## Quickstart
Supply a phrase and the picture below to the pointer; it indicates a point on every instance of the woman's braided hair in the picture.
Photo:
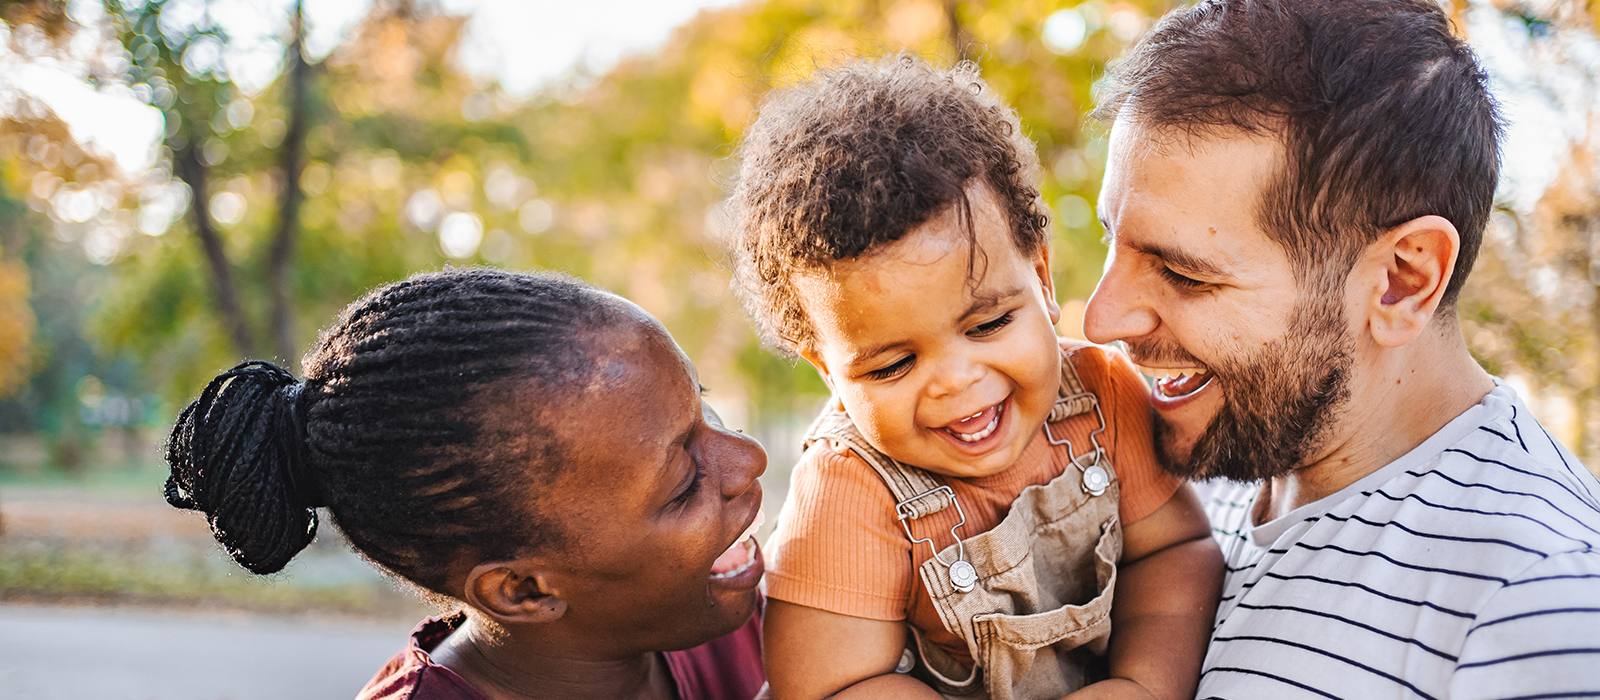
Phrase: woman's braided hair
(392, 429)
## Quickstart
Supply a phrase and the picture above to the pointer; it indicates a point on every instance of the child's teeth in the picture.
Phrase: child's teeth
(981, 434)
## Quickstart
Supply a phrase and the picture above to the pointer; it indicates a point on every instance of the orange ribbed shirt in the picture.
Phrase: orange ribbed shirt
(838, 546)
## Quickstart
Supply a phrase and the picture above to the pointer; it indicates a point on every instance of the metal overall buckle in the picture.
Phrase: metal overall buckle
(962, 574)
(1095, 477)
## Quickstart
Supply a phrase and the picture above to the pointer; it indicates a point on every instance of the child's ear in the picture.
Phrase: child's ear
(814, 358)
(1047, 282)
(514, 592)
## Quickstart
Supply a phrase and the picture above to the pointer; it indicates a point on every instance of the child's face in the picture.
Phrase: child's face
(941, 369)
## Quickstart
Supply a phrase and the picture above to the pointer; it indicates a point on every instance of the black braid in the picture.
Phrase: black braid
(414, 468)
(233, 453)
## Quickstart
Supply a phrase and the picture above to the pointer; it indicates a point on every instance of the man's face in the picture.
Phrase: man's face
(1251, 368)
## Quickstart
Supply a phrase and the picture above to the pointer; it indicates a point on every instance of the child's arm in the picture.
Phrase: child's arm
(812, 654)
(1166, 599)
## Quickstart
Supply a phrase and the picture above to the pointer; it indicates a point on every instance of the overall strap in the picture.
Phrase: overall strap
(916, 491)
(1073, 398)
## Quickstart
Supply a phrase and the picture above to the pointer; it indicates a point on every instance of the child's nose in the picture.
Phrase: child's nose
(955, 376)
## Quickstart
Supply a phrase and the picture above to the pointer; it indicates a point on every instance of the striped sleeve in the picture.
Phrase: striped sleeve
(1538, 636)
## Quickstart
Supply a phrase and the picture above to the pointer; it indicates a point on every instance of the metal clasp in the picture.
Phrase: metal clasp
(962, 574)
(1095, 477)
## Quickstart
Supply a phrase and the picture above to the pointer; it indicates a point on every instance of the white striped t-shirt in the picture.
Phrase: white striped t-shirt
(1468, 568)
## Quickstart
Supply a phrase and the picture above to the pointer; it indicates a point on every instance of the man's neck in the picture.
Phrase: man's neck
(1398, 399)
(506, 669)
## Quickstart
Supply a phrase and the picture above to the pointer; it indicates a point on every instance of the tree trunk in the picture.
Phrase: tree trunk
(291, 162)
(192, 171)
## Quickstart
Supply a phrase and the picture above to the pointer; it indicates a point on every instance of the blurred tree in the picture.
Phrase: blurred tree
(385, 158)
(16, 326)
(1532, 307)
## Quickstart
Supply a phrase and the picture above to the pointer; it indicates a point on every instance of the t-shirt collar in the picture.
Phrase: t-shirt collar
(1496, 402)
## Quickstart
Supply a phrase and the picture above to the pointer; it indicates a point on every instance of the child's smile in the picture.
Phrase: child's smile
(942, 348)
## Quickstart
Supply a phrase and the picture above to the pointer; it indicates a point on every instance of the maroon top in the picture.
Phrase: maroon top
(726, 668)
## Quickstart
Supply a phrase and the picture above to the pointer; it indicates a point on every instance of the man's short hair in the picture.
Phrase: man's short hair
(849, 161)
(1382, 110)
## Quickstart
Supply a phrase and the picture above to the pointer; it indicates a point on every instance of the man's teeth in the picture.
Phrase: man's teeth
(1178, 374)
(981, 434)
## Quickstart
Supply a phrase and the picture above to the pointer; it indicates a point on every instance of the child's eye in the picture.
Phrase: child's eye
(1181, 281)
(992, 327)
(892, 371)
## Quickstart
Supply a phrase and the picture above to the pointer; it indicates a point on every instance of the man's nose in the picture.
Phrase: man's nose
(1119, 308)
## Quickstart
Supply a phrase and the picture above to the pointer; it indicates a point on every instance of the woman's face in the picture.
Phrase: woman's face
(655, 497)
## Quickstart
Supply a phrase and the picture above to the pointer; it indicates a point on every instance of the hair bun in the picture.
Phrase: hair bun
(239, 455)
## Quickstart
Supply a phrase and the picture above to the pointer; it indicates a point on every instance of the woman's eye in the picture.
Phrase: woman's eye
(992, 327)
(1181, 281)
(694, 487)
(893, 370)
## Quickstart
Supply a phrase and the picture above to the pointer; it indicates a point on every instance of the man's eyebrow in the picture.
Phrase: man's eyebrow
(1180, 258)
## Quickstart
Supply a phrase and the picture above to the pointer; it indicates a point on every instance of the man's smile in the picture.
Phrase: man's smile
(1179, 382)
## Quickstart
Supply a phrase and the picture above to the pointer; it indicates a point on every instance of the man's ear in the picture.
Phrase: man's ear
(1410, 267)
(1041, 267)
(514, 592)
(813, 358)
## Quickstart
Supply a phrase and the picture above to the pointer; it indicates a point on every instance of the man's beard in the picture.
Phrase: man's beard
(1277, 404)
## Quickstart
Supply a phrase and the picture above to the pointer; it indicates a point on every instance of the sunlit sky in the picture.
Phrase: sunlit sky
(523, 45)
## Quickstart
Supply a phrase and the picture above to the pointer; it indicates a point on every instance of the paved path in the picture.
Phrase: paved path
(72, 653)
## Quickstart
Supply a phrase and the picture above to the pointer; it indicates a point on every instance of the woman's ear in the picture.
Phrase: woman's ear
(1411, 265)
(514, 592)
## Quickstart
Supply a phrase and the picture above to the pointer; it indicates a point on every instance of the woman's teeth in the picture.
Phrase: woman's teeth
(741, 556)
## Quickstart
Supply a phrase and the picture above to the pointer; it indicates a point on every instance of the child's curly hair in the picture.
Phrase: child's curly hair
(851, 160)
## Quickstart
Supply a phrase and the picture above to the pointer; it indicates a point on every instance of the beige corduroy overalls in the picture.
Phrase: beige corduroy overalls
(1031, 597)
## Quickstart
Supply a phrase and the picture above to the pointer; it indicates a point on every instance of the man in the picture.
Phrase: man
(1295, 194)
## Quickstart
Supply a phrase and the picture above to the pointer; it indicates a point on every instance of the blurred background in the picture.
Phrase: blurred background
(185, 184)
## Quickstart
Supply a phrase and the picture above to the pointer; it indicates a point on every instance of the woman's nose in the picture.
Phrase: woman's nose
(1118, 310)
(742, 460)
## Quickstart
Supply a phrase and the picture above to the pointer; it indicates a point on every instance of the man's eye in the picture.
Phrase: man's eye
(992, 327)
(892, 371)
(1181, 281)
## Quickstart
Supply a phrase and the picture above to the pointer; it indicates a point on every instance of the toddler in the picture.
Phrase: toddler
(978, 488)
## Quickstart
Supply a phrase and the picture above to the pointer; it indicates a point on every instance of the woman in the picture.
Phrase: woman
(528, 446)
